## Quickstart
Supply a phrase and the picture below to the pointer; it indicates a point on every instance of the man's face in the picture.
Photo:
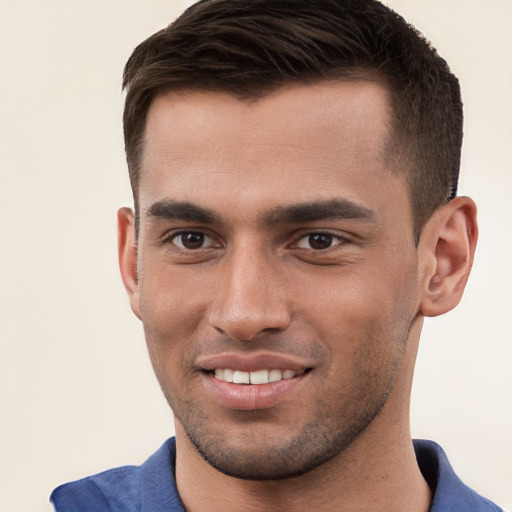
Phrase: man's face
(275, 248)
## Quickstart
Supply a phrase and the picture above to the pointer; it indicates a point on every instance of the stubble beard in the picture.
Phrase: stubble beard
(261, 456)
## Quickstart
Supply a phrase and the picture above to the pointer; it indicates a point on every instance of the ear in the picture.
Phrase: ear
(127, 252)
(446, 248)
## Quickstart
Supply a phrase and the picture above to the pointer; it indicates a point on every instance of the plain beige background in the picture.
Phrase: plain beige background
(77, 394)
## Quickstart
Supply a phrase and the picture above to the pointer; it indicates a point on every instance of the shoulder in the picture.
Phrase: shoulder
(149, 486)
(449, 492)
(110, 490)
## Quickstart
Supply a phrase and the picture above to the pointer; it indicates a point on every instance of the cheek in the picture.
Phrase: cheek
(170, 302)
(169, 336)
(171, 313)
(366, 293)
(376, 302)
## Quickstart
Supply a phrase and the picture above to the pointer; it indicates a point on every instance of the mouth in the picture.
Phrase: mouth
(260, 380)
(258, 377)
(256, 380)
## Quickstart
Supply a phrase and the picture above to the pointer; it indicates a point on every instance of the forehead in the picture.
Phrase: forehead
(302, 143)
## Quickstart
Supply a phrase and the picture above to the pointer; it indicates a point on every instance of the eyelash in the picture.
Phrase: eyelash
(172, 239)
(336, 240)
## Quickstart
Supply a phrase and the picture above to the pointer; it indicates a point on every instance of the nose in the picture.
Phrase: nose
(251, 299)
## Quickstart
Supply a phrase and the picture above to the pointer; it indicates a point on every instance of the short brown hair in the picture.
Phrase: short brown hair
(249, 48)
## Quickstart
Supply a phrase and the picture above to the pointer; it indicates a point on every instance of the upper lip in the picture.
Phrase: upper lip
(252, 362)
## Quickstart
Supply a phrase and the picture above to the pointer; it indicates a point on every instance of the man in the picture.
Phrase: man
(294, 167)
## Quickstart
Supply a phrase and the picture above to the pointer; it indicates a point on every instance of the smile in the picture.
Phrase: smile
(256, 377)
(256, 389)
(254, 380)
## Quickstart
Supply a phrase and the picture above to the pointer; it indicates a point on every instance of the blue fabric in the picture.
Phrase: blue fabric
(151, 487)
(449, 493)
(147, 488)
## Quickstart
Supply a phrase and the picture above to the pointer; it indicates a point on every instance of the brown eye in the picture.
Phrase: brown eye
(191, 240)
(319, 241)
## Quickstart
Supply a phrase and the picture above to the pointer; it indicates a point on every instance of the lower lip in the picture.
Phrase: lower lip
(251, 397)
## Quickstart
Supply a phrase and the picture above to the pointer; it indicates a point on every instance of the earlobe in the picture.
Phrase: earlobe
(447, 249)
(127, 253)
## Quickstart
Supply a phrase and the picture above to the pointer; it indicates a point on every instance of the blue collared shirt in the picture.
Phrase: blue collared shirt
(151, 487)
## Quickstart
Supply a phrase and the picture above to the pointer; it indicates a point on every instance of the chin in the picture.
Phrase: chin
(262, 456)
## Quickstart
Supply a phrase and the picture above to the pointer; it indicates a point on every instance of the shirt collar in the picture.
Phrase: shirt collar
(448, 491)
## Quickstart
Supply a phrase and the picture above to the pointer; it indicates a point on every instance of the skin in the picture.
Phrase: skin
(231, 260)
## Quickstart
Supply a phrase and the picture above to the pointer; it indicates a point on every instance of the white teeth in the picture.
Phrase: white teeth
(257, 377)
(240, 377)
(275, 375)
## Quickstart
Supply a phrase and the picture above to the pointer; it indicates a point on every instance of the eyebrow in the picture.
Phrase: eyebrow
(312, 211)
(169, 209)
(320, 210)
